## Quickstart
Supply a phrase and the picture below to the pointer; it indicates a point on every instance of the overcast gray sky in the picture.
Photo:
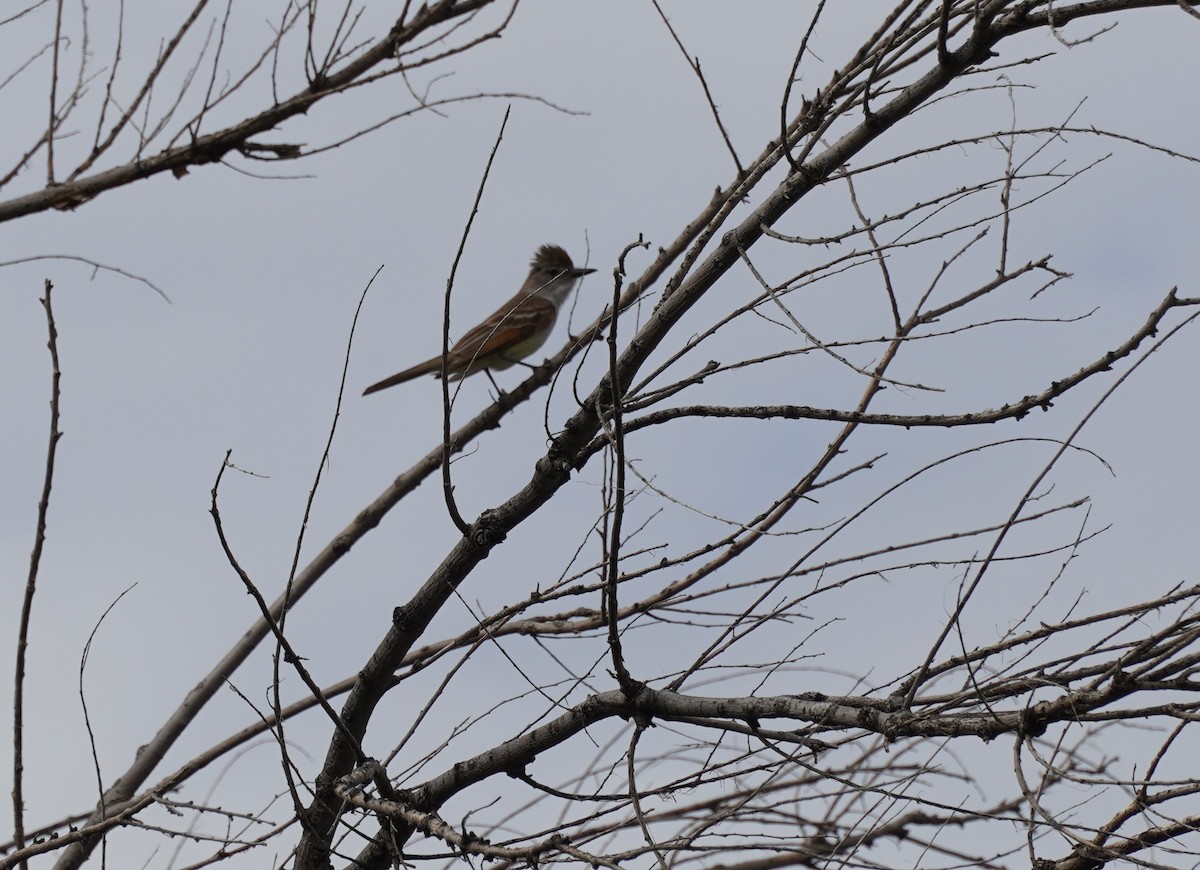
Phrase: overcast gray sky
(264, 275)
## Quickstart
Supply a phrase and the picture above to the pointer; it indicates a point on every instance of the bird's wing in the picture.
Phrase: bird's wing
(507, 327)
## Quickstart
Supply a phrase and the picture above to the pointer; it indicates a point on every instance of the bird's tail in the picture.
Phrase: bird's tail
(429, 367)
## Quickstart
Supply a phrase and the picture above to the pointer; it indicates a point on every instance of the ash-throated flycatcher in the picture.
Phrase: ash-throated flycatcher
(514, 331)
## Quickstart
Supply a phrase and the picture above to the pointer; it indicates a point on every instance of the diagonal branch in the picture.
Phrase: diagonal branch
(214, 146)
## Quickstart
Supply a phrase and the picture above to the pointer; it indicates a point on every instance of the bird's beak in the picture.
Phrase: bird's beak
(579, 273)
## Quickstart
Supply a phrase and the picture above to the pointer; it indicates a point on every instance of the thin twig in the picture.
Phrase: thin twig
(292, 657)
(447, 447)
(35, 561)
(694, 63)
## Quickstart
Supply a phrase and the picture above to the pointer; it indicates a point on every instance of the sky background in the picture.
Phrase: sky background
(264, 276)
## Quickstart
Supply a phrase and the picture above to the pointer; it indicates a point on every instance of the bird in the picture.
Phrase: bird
(513, 331)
